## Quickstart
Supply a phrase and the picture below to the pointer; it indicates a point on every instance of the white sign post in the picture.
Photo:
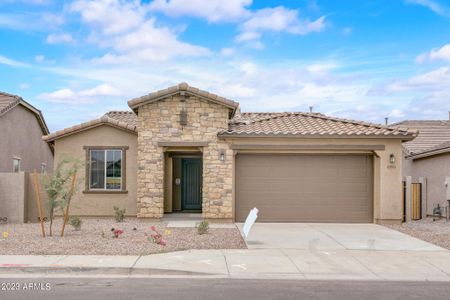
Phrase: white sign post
(251, 218)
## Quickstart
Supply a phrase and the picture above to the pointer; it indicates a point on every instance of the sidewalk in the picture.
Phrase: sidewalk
(252, 263)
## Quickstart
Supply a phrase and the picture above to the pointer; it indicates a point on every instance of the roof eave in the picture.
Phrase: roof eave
(61, 134)
(240, 135)
(428, 153)
(135, 103)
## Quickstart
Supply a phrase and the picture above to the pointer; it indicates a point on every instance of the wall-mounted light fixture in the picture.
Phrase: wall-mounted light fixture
(392, 158)
(222, 155)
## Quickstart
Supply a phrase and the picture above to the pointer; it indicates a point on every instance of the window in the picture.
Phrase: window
(16, 165)
(105, 169)
(43, 167)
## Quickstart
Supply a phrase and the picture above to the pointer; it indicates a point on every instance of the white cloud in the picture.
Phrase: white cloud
(129, 35)
(24, 86)
(248, 36)
(100, 90)
(432, 5)
(227, 51)
(397, 113)
(278, 19)
(321, 67)
(111, 16)
(211, 10)
(442, 53)
(39, 58)
(12, 63)
(63, 38)
(87, 96)
(30, 21)
(347, 31)
(33, 2)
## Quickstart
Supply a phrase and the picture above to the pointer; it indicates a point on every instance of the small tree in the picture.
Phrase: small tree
(57, 186)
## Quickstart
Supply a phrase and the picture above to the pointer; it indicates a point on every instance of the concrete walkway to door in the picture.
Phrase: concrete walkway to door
(323, 236)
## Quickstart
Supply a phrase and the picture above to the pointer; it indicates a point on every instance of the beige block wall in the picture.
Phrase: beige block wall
(13, 196)
(388, 195)
(101, 204)
(435, 169)
(159, 122)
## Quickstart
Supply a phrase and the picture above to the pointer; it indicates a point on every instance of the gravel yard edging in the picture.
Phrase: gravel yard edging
(437, 232)
(95, 238)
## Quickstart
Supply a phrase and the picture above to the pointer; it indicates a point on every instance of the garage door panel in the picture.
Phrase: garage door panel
(310, 188)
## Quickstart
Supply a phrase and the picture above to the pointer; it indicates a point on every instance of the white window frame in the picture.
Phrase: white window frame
(105, 161)
(19, 164)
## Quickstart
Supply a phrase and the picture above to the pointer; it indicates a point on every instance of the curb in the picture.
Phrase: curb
(96, 271)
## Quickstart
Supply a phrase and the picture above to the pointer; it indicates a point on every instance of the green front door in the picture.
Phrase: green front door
(191, 183)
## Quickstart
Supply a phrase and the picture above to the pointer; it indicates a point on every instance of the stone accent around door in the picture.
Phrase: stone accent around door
(158, 122)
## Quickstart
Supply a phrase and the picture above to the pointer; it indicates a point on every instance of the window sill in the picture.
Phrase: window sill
(105, 192)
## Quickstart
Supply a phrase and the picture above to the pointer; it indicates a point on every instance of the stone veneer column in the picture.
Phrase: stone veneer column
(159, 121)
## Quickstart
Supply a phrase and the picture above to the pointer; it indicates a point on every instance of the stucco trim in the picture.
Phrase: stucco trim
(182, 144)
(124, 149)
(330, 147)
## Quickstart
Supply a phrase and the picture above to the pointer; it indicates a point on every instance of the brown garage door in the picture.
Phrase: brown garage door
(305, 188)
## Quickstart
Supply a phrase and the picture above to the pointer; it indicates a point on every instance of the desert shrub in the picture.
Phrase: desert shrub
(119, 214)
(75, 222)
(203, 227)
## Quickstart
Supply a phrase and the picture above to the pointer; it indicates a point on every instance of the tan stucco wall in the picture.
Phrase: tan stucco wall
(435, 169)
(159, 122)
(388, 197)
(21, 137)
(13, 189)
(101, 204)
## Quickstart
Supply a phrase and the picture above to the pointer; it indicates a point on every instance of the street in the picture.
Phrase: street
(194, 288)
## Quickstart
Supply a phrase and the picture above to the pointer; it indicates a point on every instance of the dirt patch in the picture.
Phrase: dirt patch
(96, 238)
(437, 232)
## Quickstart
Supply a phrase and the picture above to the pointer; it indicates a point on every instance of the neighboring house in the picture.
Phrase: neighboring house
(427, 159)
(21, 145)
(184, 149)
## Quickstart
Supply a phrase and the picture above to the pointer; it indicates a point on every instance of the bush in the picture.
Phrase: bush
(119, 214)
(203, 227)
(75, 221)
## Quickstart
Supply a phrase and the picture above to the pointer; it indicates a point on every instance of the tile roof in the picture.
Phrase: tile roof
(119, 119)
(308, 124)
(431, 134)
(128, 117)
(439, 149)
(9, 101)
(177, 89)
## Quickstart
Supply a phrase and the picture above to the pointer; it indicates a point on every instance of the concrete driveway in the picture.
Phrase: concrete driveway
(321, 236)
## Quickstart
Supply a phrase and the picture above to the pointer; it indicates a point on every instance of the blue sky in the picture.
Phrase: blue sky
(357, 59)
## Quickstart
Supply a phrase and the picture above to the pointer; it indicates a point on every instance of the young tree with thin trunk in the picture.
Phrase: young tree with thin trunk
(58, 187)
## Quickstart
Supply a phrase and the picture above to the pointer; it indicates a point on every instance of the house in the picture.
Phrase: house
(21, 146)
(185, 149)
(427, 160)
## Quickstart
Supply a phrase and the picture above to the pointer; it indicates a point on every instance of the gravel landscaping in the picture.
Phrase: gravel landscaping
(96, 238)
(437, 232)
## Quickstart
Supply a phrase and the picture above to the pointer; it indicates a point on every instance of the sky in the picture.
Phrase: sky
(356, 59)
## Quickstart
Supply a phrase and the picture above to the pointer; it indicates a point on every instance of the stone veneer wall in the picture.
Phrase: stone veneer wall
(159, 121)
